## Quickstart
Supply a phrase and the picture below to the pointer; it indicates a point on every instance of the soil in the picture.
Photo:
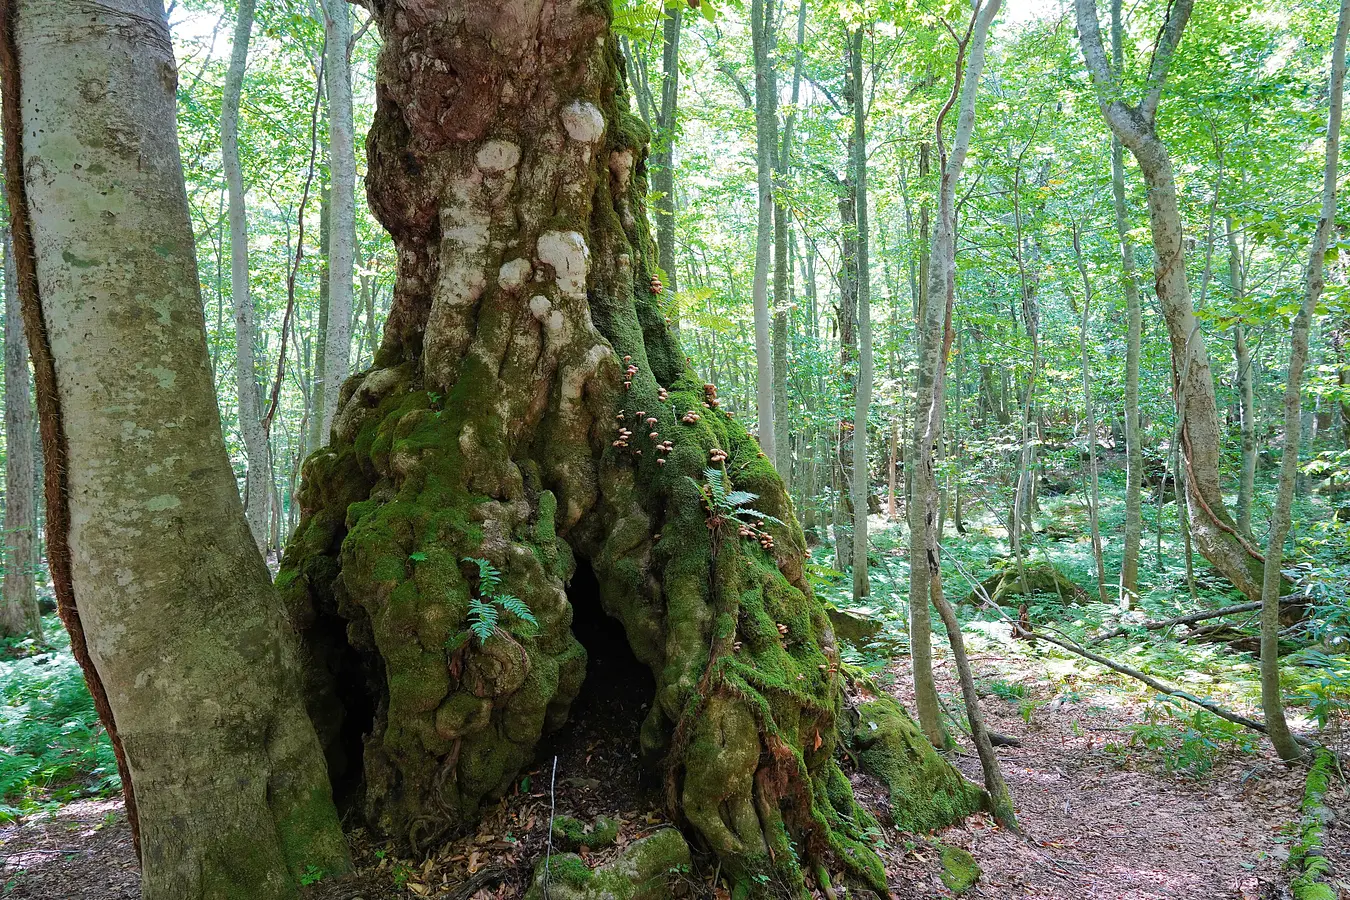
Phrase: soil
(1100, 819)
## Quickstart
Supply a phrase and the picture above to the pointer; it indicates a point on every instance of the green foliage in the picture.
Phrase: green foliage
(483, 609)
(1321, 681)
(1188, 741)
(52, 747)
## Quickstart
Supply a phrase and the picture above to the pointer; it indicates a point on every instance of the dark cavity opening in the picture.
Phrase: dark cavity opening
(357, 691)
(600, 739)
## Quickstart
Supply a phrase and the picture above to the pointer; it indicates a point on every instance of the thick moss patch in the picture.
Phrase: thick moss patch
(646, 869)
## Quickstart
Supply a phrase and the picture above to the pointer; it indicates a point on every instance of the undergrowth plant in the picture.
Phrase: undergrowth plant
(485, 609)
(53, 748)
(731, 507)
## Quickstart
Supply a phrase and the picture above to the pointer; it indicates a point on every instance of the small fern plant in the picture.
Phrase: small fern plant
(485, 610)
(732, 507)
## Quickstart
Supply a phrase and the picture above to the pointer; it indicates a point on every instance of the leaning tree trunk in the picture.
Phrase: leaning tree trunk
(158, 580)
(530, 406)
(1215, 533)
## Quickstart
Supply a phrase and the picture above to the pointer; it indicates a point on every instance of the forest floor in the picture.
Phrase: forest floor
(1116, 800)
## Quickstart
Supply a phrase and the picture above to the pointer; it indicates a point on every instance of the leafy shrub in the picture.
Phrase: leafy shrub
(52, 747)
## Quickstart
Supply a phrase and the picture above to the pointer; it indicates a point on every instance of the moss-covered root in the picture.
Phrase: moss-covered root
(926, 791)
(1307, 859)
(647, 869)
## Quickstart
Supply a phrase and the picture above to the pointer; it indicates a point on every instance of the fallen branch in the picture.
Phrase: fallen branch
(1162, 687)
(1188, 619)
(1309, 855)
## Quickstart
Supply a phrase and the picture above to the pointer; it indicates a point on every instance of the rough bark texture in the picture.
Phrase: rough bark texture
(1214, 531)
(230, 786)
(342, 226)
(19, 613)
(663, 152)
(530, 406)
(258, 484)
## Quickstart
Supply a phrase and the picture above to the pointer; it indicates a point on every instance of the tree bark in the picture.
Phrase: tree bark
(530, 406)
(1271, 704)
(1090, 421)
(231, 795)
(663, 153)
(1242, 358)
(924, 539)
(766, 142)
(258, 482)
(19, 614)
(862, 469)
(1134, 447)
(342, 203)
(1213, 529)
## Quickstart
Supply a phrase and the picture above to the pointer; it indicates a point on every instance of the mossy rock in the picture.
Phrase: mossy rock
(571, 833)
(853, 627)
(646, 869)
(959, 869)
(926, 791)
(1032, 578)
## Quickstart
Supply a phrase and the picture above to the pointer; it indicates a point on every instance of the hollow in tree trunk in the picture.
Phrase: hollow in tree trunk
(529, 406)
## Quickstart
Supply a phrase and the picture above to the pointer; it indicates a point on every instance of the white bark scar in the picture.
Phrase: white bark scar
(584, 123)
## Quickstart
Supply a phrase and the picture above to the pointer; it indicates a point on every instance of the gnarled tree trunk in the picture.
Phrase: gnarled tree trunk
(529, 406)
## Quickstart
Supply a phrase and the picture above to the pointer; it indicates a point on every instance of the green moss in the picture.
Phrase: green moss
(644, 870)
(926, 792)
(1307, 857)
(570, 833)
(959, 869)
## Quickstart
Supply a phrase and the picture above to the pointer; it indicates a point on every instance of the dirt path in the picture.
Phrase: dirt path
(1099, 822)
(1102, 824)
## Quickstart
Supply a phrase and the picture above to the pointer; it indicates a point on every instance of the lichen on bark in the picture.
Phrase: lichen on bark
(530, 406)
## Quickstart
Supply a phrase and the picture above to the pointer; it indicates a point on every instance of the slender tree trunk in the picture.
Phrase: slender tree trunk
(1271, 704)
(1134, 448)
(19, 613)
(1245, 382)
(766, 142)
(1214, 531)
(258, 483)
(1090, 421)
(149, 545)
(924, 563)
(317, 437)
(342, 227)
(663, 156)
(862, 469)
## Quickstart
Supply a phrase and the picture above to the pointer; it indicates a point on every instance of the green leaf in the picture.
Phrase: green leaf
(482, 619)
(419, 556)
(518, 608)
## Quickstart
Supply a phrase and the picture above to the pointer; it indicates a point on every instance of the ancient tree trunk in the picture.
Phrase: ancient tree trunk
(862, 469)
(231, 791)
(1242, 358)
(1214, 531)
(1134, 447)
(925, 575)
(1271, 705)
(529, 406)
(19, 613)
(766, 142)
(342, 225)
(258, 483)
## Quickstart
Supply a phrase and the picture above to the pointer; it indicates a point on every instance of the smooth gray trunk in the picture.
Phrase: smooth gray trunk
(342, 226)
(766, 139)
(19, 613)
(151, 551)
(258, 482)
(862, 470)
(1271, 704)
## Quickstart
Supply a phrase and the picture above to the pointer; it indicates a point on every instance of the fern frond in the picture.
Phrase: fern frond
(740, 498)
(753, 515)
(717, 483)
(518, 608)
(482, 619)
